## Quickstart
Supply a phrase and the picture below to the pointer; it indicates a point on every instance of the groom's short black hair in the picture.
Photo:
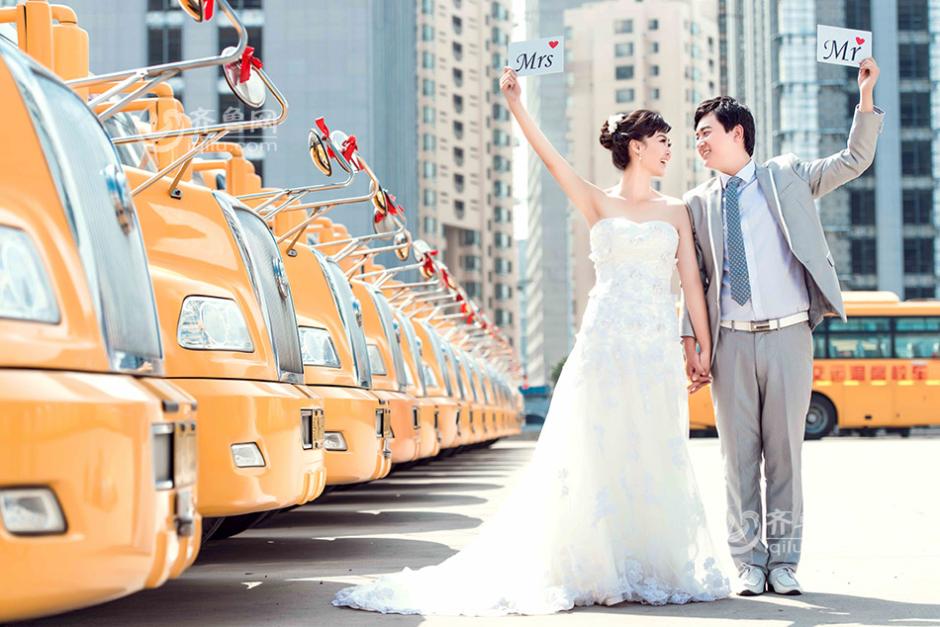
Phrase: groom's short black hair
(730, 113)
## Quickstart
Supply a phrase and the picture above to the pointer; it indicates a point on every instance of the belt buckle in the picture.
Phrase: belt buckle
(762, 325)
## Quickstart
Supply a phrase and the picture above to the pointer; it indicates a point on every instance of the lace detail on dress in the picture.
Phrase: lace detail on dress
(609, 510)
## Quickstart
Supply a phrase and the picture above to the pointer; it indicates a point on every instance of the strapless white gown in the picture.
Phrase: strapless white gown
(608, 510)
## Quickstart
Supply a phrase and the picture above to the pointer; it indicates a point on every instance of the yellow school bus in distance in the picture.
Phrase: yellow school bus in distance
(879, 369)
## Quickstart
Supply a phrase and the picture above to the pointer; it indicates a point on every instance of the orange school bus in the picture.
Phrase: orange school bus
(389, 381)
(336, 360)
(471, 423)
(337, 369)
(224, 297)
(484, 432)
(425, 409)
(466, 429)
(438, 385)
(880, 369)
(97, 455)
(449, 427)
(252, 417)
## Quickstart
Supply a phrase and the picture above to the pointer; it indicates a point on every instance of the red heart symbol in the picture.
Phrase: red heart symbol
(859, 41)
(553, 43)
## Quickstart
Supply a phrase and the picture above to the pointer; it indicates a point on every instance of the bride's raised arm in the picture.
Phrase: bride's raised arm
(585, 196)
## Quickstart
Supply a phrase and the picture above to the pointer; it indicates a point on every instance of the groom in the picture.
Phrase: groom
(770, 279)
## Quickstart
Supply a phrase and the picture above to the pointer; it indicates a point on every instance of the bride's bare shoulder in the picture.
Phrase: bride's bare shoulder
(672, 202)
(676, 210)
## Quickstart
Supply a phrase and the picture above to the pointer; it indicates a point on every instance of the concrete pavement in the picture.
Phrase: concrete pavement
(871, 553)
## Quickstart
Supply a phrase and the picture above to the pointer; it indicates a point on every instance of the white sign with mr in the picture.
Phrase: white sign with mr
(842, 46)
(537, 56)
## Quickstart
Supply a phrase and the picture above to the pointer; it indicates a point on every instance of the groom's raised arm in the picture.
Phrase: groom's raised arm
(829, 173)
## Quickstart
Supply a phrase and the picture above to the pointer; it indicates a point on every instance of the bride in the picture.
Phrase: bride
(608, 510)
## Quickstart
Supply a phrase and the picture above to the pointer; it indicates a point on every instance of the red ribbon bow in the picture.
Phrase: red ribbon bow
(395, 210)
(429, 262)
(208, 9)
(349, 149)
(321, 124)
(249, 60)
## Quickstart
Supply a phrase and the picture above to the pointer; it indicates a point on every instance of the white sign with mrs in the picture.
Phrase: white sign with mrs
(537, 56)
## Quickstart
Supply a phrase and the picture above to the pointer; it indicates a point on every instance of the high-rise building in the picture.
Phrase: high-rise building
(548, 272)
(465, 149)
(625, 55)
(883, 227)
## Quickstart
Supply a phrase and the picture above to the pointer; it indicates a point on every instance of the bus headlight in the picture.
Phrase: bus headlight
(208, 323)
(317, 347)
(31, 511)
(25, 290)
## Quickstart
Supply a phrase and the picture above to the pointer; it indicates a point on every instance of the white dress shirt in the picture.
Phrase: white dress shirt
(778, 282)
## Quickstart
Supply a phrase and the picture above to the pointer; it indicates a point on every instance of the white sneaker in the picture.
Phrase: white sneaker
(752, 582)
(783, 581)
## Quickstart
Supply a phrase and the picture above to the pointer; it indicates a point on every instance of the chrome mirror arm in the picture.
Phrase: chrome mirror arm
(229, 127)
(438, 299)
(180, 163)
(350, 249)
(375, 187)
(389, 272)
(318, 210)
(208, 135)
(291, 194)
(121, 86)
(163, 71)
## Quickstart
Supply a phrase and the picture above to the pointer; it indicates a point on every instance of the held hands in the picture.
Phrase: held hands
(868, 73)
(697, 364)
(509, 85)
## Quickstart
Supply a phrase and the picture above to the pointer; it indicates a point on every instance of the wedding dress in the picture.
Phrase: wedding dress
(608, 510)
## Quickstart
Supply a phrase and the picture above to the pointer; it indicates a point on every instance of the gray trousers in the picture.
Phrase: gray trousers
(761, 390)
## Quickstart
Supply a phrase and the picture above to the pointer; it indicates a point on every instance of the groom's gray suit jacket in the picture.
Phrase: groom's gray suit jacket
(789, 184)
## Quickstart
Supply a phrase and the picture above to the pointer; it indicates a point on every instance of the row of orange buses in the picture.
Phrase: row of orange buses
(880, 369)
(185, 351)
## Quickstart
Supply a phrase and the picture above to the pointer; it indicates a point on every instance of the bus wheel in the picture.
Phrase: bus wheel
(209, 525)
(820, 419)
(234, 525)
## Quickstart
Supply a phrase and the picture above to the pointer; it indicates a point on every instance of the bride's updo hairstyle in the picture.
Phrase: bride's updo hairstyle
(619, 129)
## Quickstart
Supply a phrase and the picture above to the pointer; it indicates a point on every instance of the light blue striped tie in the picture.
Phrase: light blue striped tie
(737, 260)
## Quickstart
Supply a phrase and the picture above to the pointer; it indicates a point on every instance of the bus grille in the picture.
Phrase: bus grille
(275, 291)
(107, 227)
